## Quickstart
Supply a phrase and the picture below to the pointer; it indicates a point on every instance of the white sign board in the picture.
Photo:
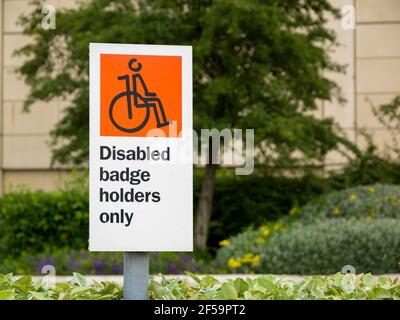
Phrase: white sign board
(140, 166)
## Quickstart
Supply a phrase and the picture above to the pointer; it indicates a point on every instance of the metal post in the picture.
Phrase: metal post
(136, 275)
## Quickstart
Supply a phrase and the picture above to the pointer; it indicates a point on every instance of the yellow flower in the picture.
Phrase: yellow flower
(336, 211)
(353, 197)
(256, 261)
(371, 189)
(225, 243)
(260, 240)
(234, 263)
(251, 259)
(278, 226)
(247, 258)
(293, 211)
(265, 231)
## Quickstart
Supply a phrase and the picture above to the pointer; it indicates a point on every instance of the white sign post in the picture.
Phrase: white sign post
(141, 197)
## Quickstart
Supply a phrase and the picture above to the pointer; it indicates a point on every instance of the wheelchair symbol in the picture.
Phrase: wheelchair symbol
(142, 98)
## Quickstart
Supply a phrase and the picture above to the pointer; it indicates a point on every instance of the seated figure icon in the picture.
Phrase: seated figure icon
(142, 98)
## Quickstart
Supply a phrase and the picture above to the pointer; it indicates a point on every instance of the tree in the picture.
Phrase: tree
(257, 64)
(389, 116)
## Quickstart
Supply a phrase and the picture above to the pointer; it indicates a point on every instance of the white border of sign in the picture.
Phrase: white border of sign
(169, 224)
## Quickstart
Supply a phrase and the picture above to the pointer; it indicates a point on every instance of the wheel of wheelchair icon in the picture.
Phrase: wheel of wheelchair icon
(118, 115)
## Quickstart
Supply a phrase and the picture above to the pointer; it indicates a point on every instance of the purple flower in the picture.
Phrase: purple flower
(99, 267)
(117, 269)
(171, 268)
(74, 264)
(83, 255)
(186, 260)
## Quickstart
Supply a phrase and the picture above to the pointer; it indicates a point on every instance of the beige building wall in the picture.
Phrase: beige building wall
(371, 53)
(378, 64)
(25, 157)
(345, 55)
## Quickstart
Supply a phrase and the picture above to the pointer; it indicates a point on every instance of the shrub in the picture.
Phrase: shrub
(35, 221)
(242, 253)
(244, 201)
(324, 248)
(79, 288)
(374, 201)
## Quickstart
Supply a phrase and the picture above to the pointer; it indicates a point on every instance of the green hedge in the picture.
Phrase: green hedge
(320, 248)
(325, 247)
(36, 221)
(373, 201)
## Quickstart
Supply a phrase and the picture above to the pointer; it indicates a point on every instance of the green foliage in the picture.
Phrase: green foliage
(374, 201)
(337, 287)
(79, 288)
(389, 115)
(36, 220)
(257, 64)
(367, 168)
(325, 247)
(322, 248)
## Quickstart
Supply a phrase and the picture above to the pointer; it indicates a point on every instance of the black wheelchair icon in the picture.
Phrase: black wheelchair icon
(148, 100)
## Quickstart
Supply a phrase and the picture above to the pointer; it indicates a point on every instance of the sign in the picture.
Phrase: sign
(140, 161)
